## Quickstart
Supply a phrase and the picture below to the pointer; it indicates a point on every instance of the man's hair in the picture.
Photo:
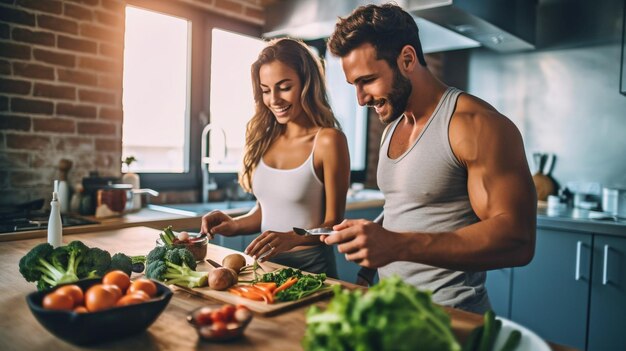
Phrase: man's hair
(387, 27)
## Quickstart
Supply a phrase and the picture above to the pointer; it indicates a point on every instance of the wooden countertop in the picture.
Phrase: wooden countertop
(19, 330)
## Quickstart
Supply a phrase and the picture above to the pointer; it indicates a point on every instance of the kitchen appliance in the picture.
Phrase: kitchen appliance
(30, 216)
(614, 201)
(116, 199)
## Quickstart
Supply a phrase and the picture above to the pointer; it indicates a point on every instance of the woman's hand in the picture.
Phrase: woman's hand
(217, 222)
(272, 243)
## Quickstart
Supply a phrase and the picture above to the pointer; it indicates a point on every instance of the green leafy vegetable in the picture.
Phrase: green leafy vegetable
(392, 315)
(306, 285)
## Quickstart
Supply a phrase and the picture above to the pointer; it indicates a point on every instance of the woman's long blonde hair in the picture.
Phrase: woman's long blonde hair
(263, 129)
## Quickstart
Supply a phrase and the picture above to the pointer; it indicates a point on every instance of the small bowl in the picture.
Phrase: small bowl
(208, 332)
(198, 248)
(94, 327)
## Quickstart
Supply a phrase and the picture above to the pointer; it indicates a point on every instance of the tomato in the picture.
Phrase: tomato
(114, 289)
(74, 291)
(80, 309)
(219, 329)
(228, 312)
(242, 314)
(141, 294)
(204, 317)
(218, 316)
(130, 299)
(118, 278)
(98, 298)
(145, 285)
(54, 301)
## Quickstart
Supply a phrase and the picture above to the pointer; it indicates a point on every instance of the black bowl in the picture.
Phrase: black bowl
(105, 325)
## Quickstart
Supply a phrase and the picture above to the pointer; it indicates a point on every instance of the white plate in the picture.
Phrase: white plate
(529, 342)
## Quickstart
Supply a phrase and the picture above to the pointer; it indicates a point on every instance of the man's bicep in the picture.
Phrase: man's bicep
(499, 181)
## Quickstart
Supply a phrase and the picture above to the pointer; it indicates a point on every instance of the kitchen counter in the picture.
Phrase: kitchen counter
(160, 219)
(20, 331)
(579, 220)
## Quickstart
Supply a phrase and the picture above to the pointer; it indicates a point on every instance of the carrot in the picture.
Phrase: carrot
(286, 285)
(234, 291)
(253, 293)
(267, 287)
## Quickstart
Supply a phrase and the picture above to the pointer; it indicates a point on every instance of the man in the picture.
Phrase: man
(459, 197)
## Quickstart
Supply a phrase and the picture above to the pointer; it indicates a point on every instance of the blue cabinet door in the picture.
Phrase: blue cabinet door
(550, 295)
(499, 282)
(607, 313)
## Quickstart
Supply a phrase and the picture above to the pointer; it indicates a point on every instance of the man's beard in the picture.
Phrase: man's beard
(398, 98)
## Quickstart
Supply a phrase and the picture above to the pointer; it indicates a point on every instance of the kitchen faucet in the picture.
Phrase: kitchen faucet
(205, 160)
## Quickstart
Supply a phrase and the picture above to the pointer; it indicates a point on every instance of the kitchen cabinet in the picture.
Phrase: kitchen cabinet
(499, 283)
(550, 294)
(608, 294)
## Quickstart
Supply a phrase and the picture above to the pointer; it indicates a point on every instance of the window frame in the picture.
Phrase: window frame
(202, 24)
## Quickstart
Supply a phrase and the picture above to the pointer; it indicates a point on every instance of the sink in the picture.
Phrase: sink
(198, 209)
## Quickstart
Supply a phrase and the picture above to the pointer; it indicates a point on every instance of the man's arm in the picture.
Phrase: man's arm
(501, 193)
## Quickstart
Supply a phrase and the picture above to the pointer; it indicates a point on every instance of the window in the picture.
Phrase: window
(157, 57)
(232, 101)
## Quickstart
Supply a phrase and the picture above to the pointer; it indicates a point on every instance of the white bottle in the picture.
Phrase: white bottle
(55, 226)
(64, 196)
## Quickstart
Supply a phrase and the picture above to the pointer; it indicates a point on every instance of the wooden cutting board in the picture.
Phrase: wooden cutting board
(258, 307)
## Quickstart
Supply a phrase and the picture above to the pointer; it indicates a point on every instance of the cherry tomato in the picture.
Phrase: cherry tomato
(204, 317)
(145, 285)
(98, 298)
(54, 301)
(219, 329)
(130, 299)
(118, 278)
(228, 312)
(218, 316)
(74, 291)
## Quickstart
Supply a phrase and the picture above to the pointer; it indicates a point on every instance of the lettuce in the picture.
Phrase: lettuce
(392, 315)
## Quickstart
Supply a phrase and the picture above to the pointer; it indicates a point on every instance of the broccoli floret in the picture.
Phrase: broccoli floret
(37, 266)
(156, 254)
(121, 262)
(174, 266)
(95, 263)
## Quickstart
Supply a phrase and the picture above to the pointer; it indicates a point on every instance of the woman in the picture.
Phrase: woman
(296, 162)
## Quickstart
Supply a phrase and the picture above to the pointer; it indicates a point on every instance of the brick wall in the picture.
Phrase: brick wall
(61, 88)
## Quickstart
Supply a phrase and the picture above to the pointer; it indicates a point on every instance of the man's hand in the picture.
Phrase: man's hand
(364, 242)
(217, 222)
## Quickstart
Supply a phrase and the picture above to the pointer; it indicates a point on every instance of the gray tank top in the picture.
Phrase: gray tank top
(426, 190)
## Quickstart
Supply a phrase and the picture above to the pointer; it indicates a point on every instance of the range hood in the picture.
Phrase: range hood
(500, 25)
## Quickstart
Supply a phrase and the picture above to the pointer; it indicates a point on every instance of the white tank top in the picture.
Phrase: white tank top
(289, 197)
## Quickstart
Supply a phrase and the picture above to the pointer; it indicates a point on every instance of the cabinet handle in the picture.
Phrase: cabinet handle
(605, 266)
(579, 246)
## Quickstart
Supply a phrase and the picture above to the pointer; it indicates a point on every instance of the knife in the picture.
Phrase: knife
(213, 263)
(314, 231)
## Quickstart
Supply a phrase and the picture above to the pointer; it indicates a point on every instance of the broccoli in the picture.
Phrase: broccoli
(95, 263)
(121, 262)
(49, 267)
(174, 266)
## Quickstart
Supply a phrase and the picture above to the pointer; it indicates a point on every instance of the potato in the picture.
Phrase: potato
(234, 261)
(222, 278)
